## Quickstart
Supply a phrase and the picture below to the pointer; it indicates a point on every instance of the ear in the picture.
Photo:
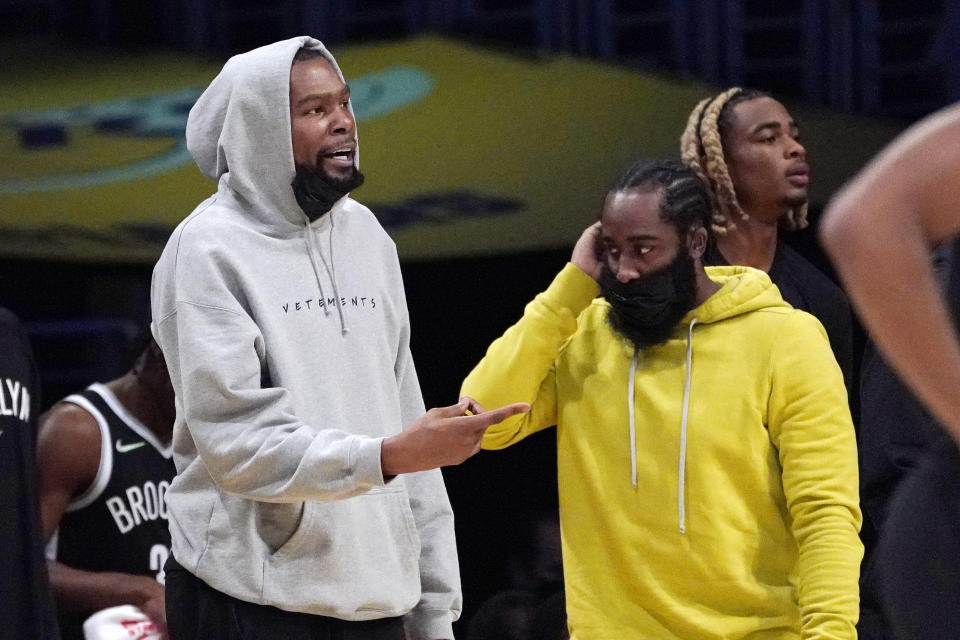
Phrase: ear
(698, 242)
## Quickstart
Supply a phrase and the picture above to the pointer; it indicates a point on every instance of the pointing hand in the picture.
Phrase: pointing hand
(442, 436)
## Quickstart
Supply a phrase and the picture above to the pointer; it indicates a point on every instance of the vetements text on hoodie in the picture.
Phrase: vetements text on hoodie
(360, 302)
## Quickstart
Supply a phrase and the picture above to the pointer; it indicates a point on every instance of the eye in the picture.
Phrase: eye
(644, 250)
(315, 111)
(345, 104)
(768, 139)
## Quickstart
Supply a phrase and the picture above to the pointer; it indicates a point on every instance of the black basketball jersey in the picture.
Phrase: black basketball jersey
(26, 609)
(120, 522)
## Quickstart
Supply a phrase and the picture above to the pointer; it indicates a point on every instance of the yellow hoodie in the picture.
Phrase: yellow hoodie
(708, 486)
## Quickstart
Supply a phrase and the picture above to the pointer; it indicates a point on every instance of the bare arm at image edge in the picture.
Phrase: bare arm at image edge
(880, 230)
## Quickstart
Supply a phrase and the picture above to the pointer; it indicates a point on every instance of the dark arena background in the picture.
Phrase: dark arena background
(489, 131)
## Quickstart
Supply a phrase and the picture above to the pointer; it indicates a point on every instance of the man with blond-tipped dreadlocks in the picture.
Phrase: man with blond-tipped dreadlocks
(746, 148)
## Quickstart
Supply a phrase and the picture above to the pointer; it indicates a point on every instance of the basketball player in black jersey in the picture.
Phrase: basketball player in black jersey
(105, 462)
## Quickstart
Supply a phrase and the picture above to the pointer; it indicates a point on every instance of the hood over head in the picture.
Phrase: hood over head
(240, 127)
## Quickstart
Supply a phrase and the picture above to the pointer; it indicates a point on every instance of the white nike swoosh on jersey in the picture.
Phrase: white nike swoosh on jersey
(123, 448)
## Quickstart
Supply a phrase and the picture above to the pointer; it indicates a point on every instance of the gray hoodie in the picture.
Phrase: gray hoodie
(288, 346)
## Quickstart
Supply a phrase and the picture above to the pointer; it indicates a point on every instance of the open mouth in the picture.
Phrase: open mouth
(343, 155)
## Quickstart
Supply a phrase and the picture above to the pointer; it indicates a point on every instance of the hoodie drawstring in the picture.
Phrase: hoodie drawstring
(630, 410)
(312, 251)
(681, 498)
(631, 383)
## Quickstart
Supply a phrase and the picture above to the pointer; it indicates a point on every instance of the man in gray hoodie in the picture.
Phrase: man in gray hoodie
(302, 506)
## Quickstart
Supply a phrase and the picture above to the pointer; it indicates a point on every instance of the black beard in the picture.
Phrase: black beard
(646, 310)
(316, 190)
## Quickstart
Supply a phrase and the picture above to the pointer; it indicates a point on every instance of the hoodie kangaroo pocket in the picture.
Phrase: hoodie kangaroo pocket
(271, 521)
(355, 558)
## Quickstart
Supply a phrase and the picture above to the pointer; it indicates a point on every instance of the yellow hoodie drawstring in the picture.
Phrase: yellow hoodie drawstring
(631, 383)
(633, 432)
(681, 483)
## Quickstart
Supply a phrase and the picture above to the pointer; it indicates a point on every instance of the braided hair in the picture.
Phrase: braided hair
(701, 149)
(684, 203)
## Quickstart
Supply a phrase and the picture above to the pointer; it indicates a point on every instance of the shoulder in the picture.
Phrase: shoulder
(203, 254)
(361, 218)
(11, 329)
(798, 269)
(195, 235)
(806, 287)
(71, 424)
(212, 224)
(69, 442)
(801, 321)
(8, 320)
(16, 356)
(773, 330)
(592, 322)
(359, 233)
(799, 335)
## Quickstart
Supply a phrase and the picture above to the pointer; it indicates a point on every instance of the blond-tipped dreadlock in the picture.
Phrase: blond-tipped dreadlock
(701, 149)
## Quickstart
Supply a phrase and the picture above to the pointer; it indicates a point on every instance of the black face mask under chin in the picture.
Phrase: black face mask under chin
(646, 310)
(316, 192)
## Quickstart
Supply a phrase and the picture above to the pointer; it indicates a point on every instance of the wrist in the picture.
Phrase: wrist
(142, 589)
(573, 287)
(390, 450)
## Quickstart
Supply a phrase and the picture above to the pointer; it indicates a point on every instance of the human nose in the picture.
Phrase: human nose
(795, 149)
(626, 271)
(344, 122)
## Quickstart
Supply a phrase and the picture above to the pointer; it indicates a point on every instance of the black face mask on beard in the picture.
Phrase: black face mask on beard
(646, 310)
(316, 191)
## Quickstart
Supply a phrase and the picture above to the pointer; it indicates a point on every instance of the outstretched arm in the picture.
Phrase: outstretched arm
(880, 230)
(68, 457)
(442, 436)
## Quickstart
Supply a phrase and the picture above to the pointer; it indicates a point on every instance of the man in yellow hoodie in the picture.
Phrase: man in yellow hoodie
(706, 456)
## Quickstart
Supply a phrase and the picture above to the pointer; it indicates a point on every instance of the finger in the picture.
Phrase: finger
(499, 415)
(473, 407)
(453, 410)
(592, 229)
(483, 420)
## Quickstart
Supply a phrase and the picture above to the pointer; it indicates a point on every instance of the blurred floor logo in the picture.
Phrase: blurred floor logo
(160, 116)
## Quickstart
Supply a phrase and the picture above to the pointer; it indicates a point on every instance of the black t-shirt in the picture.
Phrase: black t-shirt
(803, 286)
(26, 608)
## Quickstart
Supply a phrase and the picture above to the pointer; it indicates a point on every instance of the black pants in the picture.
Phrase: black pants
(918, 554)
(196, 611)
